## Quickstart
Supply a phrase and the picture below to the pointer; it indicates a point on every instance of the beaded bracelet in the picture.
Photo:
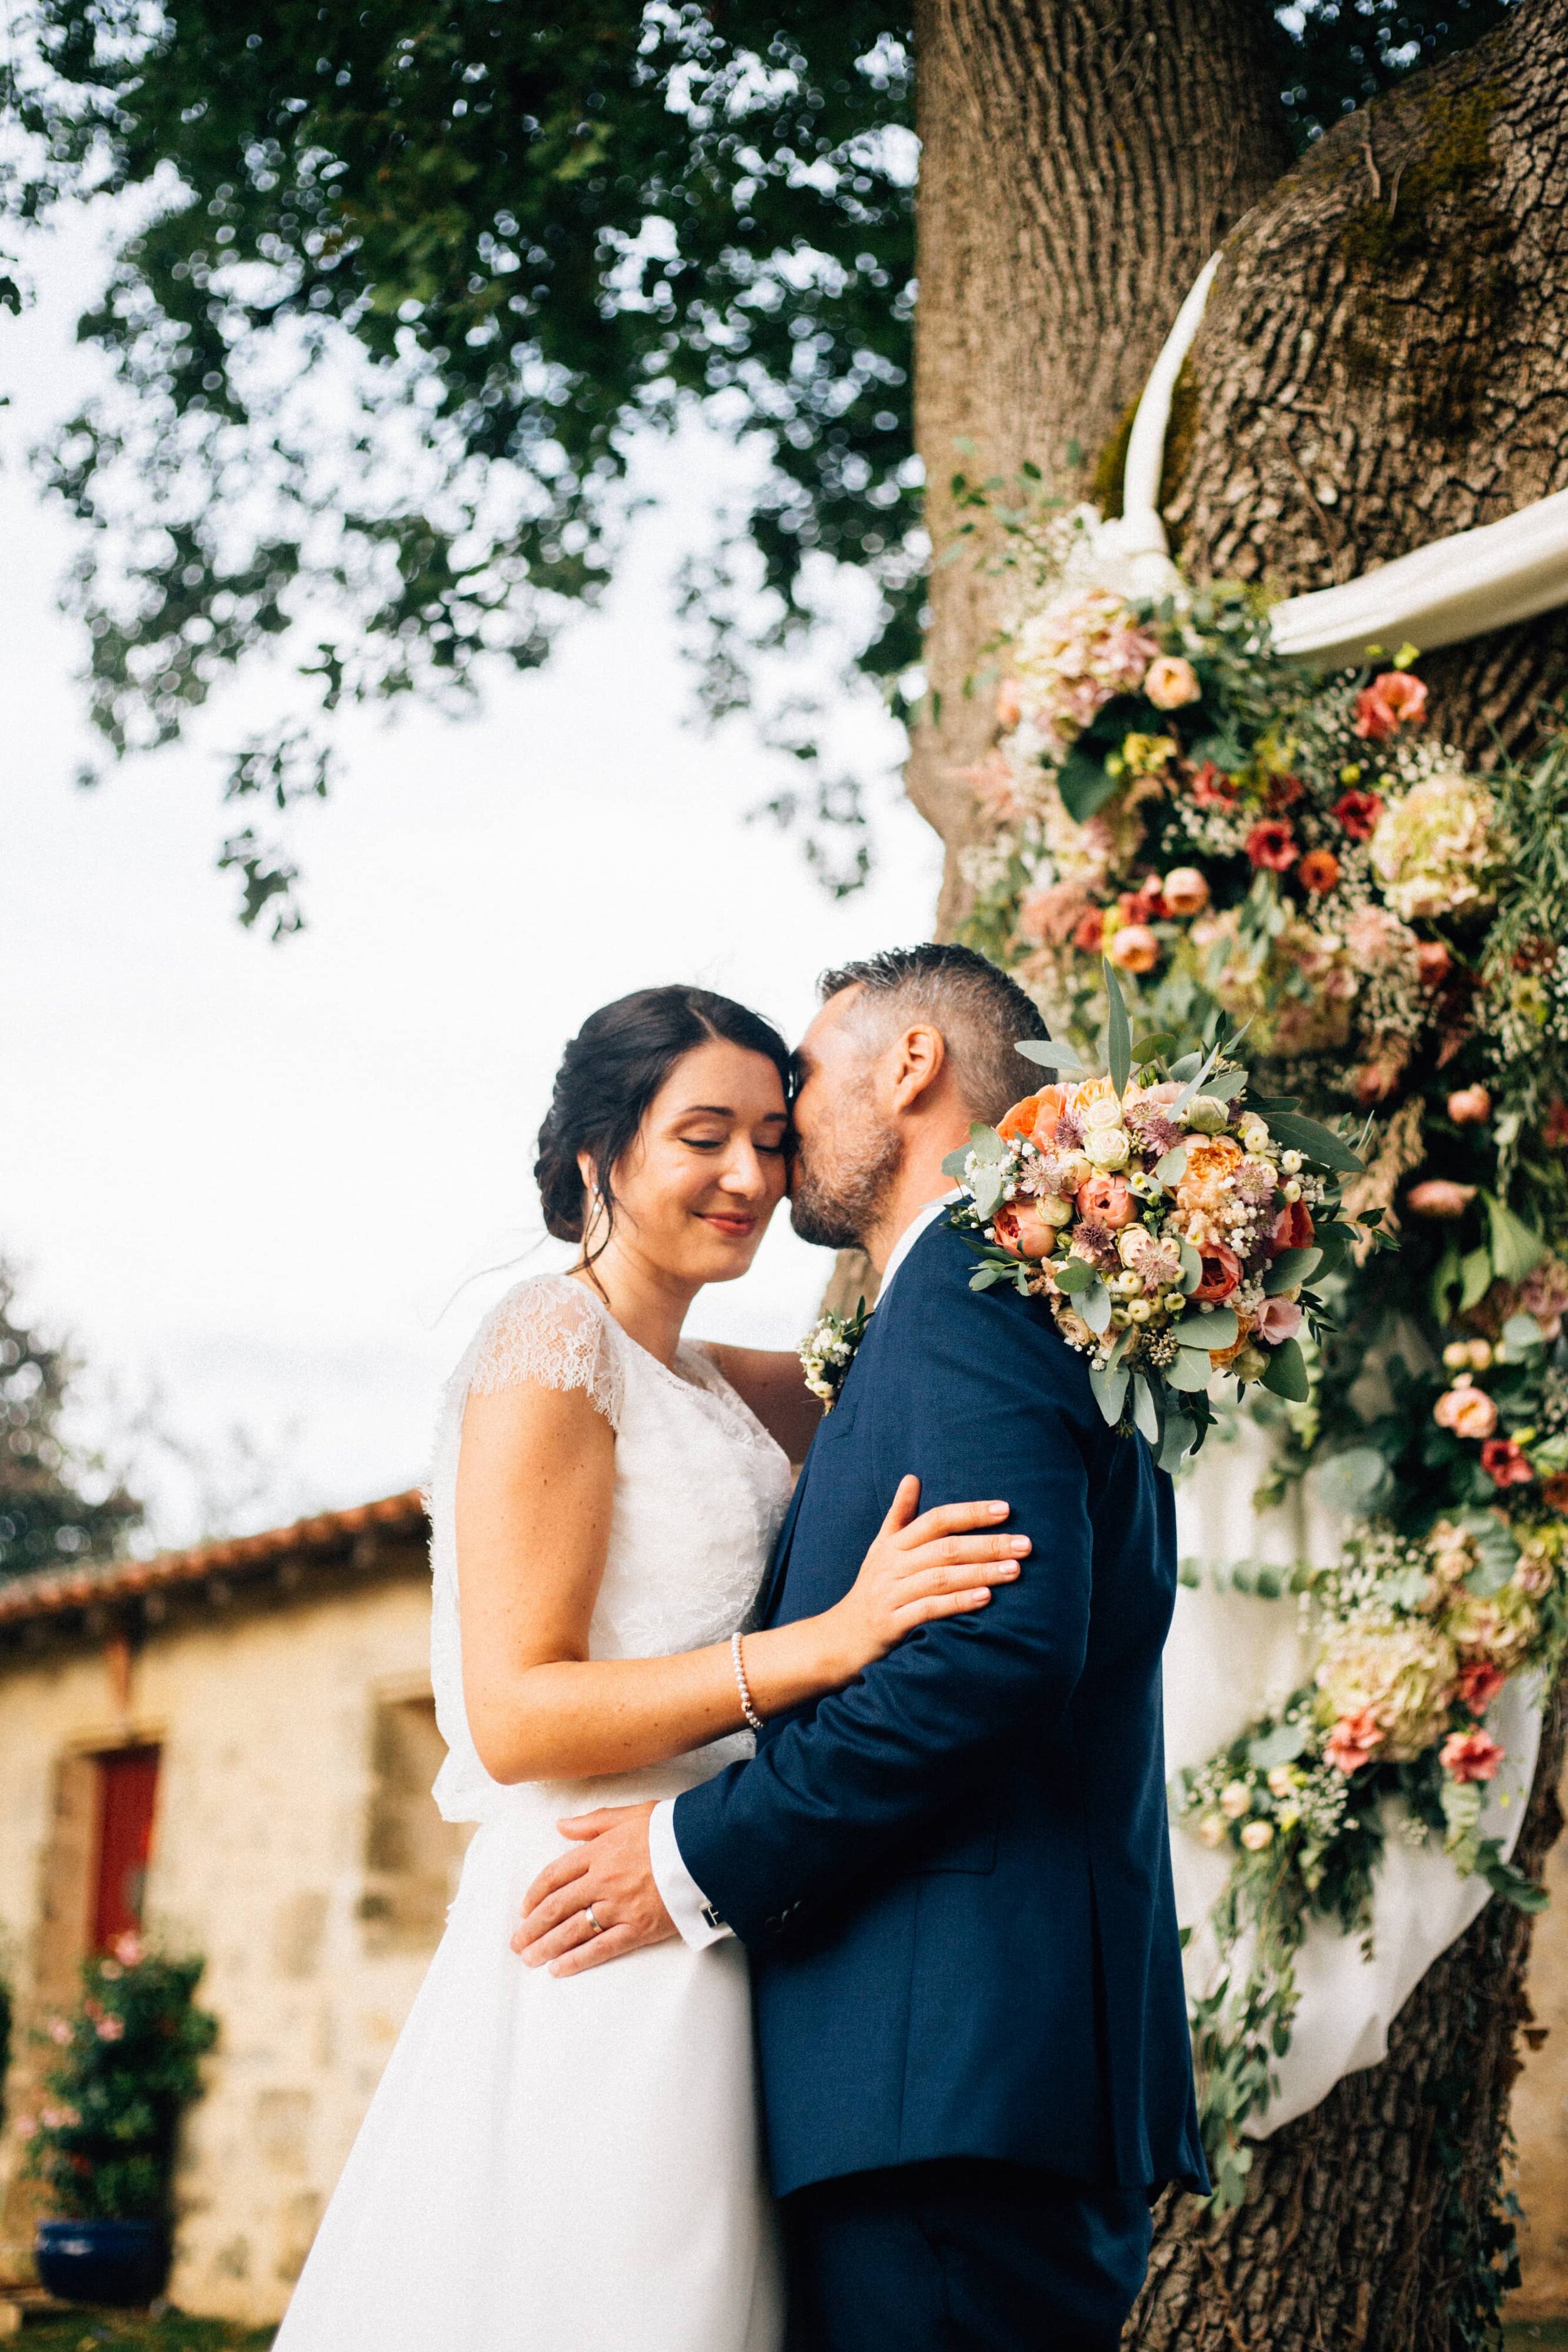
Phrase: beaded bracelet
(741, 1685)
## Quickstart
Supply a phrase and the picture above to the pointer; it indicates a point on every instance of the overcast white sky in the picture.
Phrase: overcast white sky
(254, 1175)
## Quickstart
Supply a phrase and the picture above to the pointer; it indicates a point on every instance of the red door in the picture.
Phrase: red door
(128, 1790)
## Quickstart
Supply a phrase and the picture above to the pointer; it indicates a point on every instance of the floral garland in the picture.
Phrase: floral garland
(1243, 842)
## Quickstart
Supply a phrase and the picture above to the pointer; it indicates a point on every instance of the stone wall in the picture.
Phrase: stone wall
(295, 1846)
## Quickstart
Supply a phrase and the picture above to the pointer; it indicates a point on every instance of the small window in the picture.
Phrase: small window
(127, 1798)
(412, 1855)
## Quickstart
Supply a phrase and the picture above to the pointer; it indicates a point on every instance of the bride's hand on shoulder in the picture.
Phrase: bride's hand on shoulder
(924, 1565)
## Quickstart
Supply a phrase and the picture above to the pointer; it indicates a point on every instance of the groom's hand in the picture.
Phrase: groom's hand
(608, 1867)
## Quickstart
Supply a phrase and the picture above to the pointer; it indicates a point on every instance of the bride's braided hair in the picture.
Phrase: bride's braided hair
(609, 1074)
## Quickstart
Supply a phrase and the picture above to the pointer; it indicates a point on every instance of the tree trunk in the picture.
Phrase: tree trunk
(1382, 362)
(1076, 173)
(1384, 357)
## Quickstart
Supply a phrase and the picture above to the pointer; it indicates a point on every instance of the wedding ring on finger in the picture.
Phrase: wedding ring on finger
(597, 1924)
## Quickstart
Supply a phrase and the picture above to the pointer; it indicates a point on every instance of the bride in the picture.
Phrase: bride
(572, 2160)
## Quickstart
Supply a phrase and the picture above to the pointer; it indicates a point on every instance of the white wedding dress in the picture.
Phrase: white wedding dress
(572, 2164)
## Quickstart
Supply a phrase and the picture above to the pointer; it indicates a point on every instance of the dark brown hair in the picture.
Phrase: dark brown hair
(981, 1015)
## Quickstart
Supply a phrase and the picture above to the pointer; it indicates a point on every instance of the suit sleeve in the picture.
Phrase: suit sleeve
(989, 1410)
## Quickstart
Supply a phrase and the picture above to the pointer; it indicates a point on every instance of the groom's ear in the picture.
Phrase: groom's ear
(915, 1062)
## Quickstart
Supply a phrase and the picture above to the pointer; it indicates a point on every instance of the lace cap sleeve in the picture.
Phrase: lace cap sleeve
(554, 1332)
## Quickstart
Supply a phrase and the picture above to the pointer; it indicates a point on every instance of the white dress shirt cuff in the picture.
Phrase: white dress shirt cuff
(698, 1923)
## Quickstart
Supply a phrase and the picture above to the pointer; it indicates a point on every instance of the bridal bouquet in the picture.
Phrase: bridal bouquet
(1173, 1228)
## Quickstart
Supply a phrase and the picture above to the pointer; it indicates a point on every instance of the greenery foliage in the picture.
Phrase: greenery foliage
(49, 1515)
(104, 2142)
(531, 237)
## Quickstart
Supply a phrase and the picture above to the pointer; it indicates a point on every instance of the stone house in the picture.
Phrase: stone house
(234, 1744)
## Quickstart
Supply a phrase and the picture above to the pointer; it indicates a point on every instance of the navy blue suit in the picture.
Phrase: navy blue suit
(953, 1876)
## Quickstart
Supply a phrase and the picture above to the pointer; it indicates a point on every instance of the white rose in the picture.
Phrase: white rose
(1107, 1147)
(1103, 1111)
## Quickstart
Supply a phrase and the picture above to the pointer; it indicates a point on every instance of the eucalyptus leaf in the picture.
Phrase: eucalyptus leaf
(1173, 1167)
(1357, 1481)
(1110, 1389)
(1153, 1047)
(1192, 1267)
(1084, 785)
(1145, 1419)
(1188, 1369)
(984, 1277)
(1521, 1334)
(1210, 1327)
(1476, 1272)
(1291, 1267)
(1446, 1281)
(1075, 1273)
(987, 1186)
(1516, 1249)
(1175, 1439)
(1227, 1089)
(1314, 1142)
(986, 1144)
(1094, 1305)
(956, 1164)
(1119, 1030)
(1287, 1373)
(1050, 1053)
(1187, 1066)
(1280, 1746)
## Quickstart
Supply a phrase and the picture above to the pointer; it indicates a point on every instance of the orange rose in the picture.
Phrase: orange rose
(1134, 947)
(1184, 891)
(1020, 1229)
(1107, 1200)
(1032, 1120)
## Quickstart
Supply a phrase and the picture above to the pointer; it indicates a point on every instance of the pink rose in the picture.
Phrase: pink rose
(1466, 1411)
(1506, 1463)
(1184, 891)
(1353, 1741)
(1470, 1756)
(1293, 1228)
(1468, 1106)
(1107, 1200)
(1440, 1197)
(1170, 682)
(1279, 1319)
(1134, 947)
(1221, 1274)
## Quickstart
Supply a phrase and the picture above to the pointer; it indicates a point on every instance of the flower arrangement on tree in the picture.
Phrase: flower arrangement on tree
(1173, 1228)
(129, 2065)
(1239, 840)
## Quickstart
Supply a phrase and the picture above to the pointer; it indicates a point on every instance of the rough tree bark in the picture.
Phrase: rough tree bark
(1076, 173)
(1386, 360)
(1382, 362)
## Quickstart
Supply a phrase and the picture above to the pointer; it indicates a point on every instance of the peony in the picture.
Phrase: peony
(1108, 1200)
(1506, 1463)
(1470, 1756)
(1440, 1197)
(1221, 1274)
(1353, 1741)
(1319, 870)
(1400, 1673)
(1467, 1411)
(1480, 1683)
(1432, 848)
(1468, 1106)
(1499, 1627)
(1185, 891)
(1359, 812)
(1134, 947)
(1272, 844)
(1393, 700)
(1170, 682)
(1279, 1319)
(1022, 1229)
(1033, 1120)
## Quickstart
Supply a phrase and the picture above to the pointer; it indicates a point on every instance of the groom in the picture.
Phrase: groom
(953, 1877)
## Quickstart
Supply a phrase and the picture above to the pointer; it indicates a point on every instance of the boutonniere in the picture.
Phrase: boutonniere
(828, 1350)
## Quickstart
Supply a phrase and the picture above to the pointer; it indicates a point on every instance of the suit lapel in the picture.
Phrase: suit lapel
(773, 1582)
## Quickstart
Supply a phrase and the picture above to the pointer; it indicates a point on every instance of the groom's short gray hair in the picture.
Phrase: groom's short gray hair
(981, 1015)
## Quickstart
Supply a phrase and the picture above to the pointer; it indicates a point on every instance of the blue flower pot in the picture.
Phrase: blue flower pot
(119, 2264)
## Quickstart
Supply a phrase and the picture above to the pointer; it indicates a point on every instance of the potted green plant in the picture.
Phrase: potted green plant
(103, 2143)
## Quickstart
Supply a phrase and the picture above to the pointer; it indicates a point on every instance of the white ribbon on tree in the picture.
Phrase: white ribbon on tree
(1452, 588)
(1232, 1658)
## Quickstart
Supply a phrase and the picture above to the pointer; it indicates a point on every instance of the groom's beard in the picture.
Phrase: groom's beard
(842, 1185)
